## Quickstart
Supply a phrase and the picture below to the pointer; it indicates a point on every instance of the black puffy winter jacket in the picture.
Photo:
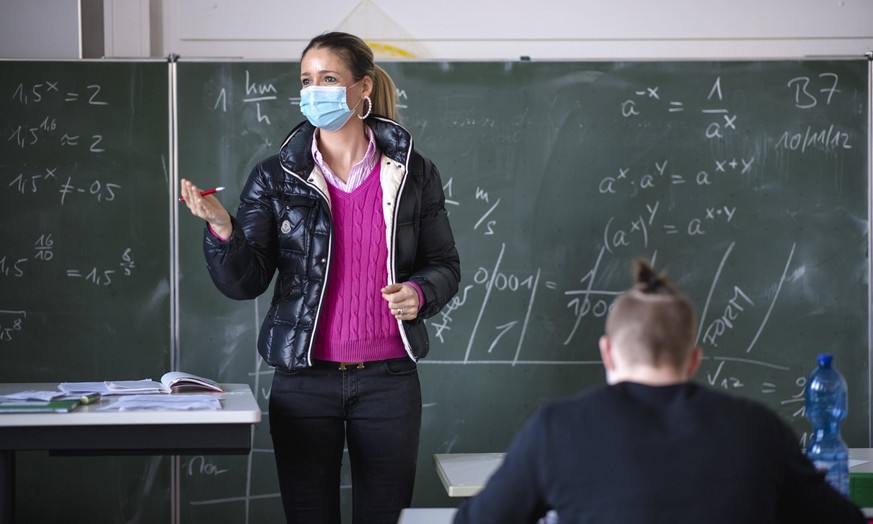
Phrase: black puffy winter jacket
(284, 223)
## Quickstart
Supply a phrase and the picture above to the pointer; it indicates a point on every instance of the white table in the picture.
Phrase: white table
(861, 454)
(87, 431)
(427, 516)
(465, 474)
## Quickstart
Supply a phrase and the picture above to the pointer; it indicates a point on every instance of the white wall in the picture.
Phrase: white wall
(541, 29)
(127, 28)
(450, 29)
(43, 29)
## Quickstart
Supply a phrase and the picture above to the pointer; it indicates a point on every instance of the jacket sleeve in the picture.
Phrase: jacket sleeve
(242, 266)
(438, 264)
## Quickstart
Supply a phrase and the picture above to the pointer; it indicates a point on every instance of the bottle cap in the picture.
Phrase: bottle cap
(825, 359)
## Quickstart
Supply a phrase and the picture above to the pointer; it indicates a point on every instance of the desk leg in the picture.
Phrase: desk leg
(7, 486)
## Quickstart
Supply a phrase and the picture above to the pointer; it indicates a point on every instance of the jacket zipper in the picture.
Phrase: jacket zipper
(327, 262)
(391, 254)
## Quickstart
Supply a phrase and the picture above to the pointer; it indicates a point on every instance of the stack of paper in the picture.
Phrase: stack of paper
(173, 381)
(144, 394)
(37, 402)
(164, 402)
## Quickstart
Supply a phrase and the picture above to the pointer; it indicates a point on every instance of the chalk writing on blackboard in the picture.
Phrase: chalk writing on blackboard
(40, 92)
(27, 135)
(100, 191)
(43, 250)
(198, 465)
(557, 175)
(806, 87)
(11, 322)
(85, 267)
(103, 276)
(11, 266)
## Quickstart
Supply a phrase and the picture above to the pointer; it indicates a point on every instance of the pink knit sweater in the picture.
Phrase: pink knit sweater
(356, 324)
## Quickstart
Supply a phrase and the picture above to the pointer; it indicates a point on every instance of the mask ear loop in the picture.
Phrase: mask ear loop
(369, 108)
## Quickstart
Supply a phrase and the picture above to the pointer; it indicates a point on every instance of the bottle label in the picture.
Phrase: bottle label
(836, 474)
(823, 466)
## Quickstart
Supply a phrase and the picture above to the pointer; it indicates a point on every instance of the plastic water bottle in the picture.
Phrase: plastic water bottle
(827, 404)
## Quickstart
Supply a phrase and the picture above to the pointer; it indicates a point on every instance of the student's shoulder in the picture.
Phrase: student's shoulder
(593, 397)
(738, 407)
(711, 394)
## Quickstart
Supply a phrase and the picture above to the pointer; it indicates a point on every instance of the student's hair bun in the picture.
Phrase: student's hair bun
(648, 281)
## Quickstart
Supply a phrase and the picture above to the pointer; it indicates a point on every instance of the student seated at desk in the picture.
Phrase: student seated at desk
(652, 446)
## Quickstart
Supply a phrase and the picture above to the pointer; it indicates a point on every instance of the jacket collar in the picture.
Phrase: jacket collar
(392, 139)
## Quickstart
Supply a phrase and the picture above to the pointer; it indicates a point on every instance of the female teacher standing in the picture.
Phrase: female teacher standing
(353, 219)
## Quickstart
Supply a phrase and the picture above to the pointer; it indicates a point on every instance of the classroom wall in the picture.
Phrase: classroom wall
(47, 29)
(450, 29)
(52, 29)
(454, 30)
(547, 29)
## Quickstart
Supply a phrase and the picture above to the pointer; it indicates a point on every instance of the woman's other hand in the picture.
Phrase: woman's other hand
(402, 300)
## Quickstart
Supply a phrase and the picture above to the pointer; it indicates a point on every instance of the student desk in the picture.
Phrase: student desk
(465, 474)
(86, 431)
(861, 476)
(427, 516)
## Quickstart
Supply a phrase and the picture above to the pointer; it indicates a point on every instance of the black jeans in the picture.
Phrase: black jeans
(377, 410)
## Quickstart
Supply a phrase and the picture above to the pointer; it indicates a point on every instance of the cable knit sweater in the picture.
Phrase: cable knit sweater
(356, 324)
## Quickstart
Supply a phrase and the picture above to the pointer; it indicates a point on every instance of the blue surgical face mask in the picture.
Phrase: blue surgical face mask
(325, 106)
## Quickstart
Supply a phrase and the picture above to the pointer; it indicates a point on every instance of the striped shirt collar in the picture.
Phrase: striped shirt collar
(358, 172)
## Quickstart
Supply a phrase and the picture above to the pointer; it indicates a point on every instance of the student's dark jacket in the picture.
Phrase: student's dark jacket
(284, 223)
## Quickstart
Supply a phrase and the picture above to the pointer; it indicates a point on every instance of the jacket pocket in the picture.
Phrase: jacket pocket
(292, 303)
(295, 222)
(289, 285)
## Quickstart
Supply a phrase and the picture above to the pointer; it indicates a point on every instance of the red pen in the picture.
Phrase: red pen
(204, 193)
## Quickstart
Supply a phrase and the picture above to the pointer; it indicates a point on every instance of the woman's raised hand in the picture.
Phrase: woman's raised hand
(206, 207)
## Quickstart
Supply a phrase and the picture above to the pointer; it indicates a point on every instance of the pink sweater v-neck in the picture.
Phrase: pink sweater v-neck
(355, 323)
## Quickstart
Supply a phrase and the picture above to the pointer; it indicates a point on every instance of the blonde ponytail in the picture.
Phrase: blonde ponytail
(384, 94)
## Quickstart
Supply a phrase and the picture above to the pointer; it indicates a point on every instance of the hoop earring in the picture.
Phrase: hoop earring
(369, 108)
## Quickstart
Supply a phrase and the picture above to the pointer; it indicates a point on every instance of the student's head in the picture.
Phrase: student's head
(650, 331)
(351, 58)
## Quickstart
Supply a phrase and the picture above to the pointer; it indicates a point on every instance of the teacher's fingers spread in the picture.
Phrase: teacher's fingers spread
(185, 187)
(207, 208)
(197, 204)
(189, 193)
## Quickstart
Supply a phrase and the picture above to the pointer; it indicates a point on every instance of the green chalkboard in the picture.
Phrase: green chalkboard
(746, 181)
(85, 263)
(230, 115)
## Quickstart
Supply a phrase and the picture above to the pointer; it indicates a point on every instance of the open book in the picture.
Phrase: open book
(174, 381)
